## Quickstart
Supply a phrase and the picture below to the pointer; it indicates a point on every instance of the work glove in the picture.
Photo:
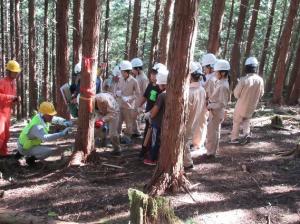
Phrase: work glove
(68, 123)
(99, 123)
(65, 132)
(118, 93)
(147, 116)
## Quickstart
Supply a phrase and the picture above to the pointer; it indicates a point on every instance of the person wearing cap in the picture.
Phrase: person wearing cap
(208, 61)
(155, 116)
(196, 110)
(216, 106)
(37, 132)
(127, 91)
(248, 92)
(108, 110)
(142, 79)
(110, 84)
(8, 96)
(150, 96)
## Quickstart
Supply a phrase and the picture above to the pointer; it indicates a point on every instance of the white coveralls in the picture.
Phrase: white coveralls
(143, 82)
(41, 152)
(216, 106)
(127, 91)
(248, 92)
(201, 131)
(196, 108)
(109, 112)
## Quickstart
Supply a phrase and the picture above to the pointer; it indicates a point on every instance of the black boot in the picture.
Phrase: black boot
(18, 156)
(31, 161)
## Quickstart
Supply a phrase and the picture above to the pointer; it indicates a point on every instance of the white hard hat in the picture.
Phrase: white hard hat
(222, 65)
(136, 62)
(252, 61)
(77, 68)
(208, 59)
(125, 65)
(195, 66)
(116, 71)
(158, 66)
(162, 76)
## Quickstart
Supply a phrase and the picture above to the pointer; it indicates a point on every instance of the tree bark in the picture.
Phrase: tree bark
(284, 45)
(154, 39)
(32, 59)
(12, 29)
(105, 41)
(269, 83)
(217, 14)
(18, 53)
(169, 172)
(62, 59)
(126, 52)
(145, 30)
(76, 32)
(24, 67)
(53, 52)
(135, 28)
(267, 39)
(165, 32)
(228, 29)
(46, 53)
(252, 28)
(2, 39)
(85, 134)
(236, 49)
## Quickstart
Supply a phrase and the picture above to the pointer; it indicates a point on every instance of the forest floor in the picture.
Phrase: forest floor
(245, 184)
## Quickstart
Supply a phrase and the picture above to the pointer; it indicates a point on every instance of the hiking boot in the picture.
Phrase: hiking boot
(31, 161)
(149, 162)
(234, 142)
(188, 168)
(245, 140)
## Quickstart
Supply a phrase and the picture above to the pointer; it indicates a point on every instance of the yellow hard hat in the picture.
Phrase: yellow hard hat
(47, 108)
(13, 66)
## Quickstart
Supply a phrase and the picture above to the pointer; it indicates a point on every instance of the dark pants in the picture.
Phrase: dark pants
(155, 143)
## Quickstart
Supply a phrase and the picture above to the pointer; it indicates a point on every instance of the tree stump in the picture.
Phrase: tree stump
(150, 210)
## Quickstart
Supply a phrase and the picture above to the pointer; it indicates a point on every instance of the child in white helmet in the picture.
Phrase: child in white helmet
(216, 106)
(248, 91)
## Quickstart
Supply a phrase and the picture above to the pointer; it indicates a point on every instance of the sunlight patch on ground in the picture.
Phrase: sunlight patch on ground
(199, 197)
(229, 217)
(279, 189)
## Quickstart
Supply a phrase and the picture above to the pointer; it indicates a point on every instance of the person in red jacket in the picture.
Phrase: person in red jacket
(7, 98)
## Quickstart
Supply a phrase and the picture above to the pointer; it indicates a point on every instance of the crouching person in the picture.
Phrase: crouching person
(37, 131)
(108, 109)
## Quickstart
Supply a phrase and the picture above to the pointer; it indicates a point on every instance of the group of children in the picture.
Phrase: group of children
(128, 96)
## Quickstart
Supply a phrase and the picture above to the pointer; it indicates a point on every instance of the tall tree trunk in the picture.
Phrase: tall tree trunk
(145, 30)
(294, 85)
(267, 39)
(8, 52)
(105, 41)
(24, 67)
(169, 172)
(269, 83)
(154, 40)
(126, 53)
(236, 50)
(18, 53)
(135, 29)
(284, 45)
(12, 29)
(46, 53)
(76, 32)
(85, 133)
(217, 14)
(2, 38)
(53, 52)
(165, 32)
(32, 59)
(228, 29)
(252, 28)
(62, 59)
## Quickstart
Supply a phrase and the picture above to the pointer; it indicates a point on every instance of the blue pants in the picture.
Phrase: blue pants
(155, 143)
